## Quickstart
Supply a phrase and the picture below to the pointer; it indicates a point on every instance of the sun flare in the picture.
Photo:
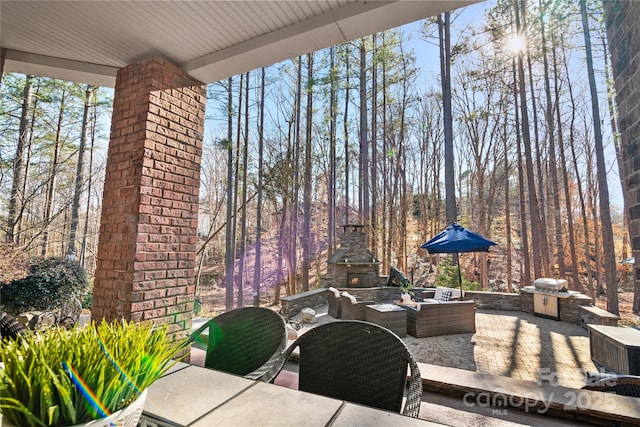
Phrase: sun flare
(515, 44)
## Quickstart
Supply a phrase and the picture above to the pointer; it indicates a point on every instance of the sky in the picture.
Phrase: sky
(427, 58)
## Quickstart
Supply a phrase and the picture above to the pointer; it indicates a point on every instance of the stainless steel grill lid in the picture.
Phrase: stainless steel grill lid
(550, 285)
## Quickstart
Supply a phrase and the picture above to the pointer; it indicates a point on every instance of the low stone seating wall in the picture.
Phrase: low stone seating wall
(291, 305)
(591, 315)
(569, 308)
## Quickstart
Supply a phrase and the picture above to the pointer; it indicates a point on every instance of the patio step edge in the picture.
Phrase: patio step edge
(476, 388)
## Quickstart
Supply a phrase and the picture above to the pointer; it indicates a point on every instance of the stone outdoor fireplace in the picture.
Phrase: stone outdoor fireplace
(353, 265)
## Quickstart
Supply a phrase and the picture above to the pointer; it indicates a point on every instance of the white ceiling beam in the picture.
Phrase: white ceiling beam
(58, 68)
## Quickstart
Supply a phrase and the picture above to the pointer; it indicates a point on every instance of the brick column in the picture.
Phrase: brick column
(146, 253)
(623, 31)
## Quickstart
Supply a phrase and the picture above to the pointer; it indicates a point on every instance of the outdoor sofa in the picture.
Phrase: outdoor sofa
(434, 317)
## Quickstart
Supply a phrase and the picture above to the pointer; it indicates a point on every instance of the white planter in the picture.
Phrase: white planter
(125, 417)
(406, 298)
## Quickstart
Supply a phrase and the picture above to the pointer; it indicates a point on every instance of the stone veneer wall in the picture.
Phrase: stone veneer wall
(147, 248)
(569, 308)
(623, 31)
(499, 301)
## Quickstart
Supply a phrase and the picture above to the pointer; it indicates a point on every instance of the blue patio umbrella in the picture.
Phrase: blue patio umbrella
(455, 239)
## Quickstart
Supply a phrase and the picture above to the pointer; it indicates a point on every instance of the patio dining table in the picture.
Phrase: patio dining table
(189, 395)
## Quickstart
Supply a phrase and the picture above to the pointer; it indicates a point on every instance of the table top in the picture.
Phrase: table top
(385, 307)
(189, 395)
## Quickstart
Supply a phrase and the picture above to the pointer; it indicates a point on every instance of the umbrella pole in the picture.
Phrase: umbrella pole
(459, 276)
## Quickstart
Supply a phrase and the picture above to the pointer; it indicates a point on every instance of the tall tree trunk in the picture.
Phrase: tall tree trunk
(575, 270)
(332, 181)
(94, 120)
(257, 272)
(3, 54)
(524, 236)
(605, 209)
(591, 198)
(18, 159)
(544, 244)
(386, 241)
(236, 185)
(345, 121)
(245, 196)
(306, 204)
(537, 231)
(444, 32)
(51, 184)
(77, 191)
(281, 252)
(230, 247)
(507, 202)
(401, 165)
(293, 273)
(553, 171)
(27, 163)
(364, 145)
(374, 147)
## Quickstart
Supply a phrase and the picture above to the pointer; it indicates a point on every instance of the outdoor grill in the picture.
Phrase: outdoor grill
(550, 286)
(545, 297)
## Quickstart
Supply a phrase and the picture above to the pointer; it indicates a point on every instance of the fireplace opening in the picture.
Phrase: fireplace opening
(359, 280)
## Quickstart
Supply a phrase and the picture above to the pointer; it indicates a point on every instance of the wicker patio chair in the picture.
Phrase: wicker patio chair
(246, 341)
(10, 327)
(359, 362)
(352, 308)
(335, 304)
(625, 385)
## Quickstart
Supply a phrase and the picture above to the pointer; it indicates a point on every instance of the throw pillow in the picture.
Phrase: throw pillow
(446, 296)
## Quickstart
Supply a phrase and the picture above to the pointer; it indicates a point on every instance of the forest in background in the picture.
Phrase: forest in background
(500, 137)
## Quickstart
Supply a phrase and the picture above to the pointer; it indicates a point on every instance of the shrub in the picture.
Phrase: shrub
(87, 295)
(448, 276)
(49, 283)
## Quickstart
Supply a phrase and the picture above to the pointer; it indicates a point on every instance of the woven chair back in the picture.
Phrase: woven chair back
(625, 385)
(358, 362)
(242, 341)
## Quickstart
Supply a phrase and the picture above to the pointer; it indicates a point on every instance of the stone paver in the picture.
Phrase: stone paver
(508, 343)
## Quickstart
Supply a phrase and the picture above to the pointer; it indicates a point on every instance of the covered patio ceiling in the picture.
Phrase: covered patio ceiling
(88, 41)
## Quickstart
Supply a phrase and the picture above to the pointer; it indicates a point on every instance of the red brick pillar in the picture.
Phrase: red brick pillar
(147, 247)
(623, 31)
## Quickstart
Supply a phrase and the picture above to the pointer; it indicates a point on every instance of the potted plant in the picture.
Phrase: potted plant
(60, 377)
(406, 291)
